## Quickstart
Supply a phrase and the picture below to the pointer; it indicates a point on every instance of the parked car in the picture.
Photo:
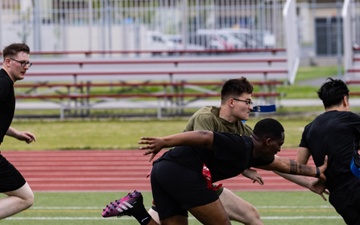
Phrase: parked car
(232, 41)
(180, 45)
(157, 41)
(252, 38)
(207, 41)
(219, 40)
(244, 35)
(265, 38)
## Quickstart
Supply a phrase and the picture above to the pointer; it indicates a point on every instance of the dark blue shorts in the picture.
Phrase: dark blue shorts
(176, 189)
(10, 178)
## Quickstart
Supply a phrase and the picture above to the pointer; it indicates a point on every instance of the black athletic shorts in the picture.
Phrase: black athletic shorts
(176, 188)
(10, 178)
(346, 201)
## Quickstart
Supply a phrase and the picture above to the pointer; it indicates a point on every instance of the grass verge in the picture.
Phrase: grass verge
(84, 208)
(117, 134)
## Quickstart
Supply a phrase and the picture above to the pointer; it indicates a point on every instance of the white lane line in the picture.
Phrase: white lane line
(192, 218)
(259, 207)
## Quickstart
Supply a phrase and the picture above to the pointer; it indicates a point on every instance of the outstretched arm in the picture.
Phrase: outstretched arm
(303, 155)
(285, 165)
(26, 136)
(315, 185)
(153, 145)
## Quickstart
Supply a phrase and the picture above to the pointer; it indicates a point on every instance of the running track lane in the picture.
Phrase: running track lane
(113, 170)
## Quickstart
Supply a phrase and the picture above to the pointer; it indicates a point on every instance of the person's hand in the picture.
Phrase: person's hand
(323, 168)
(153, 145)
(26, 136)
(318, 187)
(253, 175)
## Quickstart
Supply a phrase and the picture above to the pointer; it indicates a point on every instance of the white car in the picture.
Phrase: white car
(157, 41)
(252, 38)
(206, 41)
(265, 38)
(232, 40)
(226, 38)
(180, 45)
(244, 36)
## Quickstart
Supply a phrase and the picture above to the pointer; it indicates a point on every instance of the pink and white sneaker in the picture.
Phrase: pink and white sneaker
(124, 205)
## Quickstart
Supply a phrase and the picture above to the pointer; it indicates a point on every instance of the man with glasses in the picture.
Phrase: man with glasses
(12, 183)
(236, 105)
(235, 108)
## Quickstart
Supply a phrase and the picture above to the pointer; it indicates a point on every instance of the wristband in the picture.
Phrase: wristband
(317, 172)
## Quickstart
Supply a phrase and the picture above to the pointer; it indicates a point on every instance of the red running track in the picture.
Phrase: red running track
(115, 170)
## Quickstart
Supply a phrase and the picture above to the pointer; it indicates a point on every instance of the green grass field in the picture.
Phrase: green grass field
(119, 134)
(84, 208)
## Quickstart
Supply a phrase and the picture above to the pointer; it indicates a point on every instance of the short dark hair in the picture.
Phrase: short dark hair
(235, 87)
(13, 49)
(268, 128)
(332, 92)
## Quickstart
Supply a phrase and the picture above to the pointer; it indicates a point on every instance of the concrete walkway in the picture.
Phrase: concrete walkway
(311, 102)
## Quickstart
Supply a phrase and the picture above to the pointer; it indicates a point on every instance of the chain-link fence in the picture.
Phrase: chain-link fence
(85, 25)
(142, 24)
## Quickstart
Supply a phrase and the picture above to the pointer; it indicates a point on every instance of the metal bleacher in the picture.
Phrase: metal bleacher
(181, 82)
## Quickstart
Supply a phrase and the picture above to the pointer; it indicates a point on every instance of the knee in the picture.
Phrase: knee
(253, 217)
(248, 216)
(254, 213)
(252, 210)
(225, 220)
(29, 200)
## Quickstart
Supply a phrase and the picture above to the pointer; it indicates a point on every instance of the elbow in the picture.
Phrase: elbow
(207, 137)
(204, 133)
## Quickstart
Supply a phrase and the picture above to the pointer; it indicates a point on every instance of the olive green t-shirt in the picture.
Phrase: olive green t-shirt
(207, 118)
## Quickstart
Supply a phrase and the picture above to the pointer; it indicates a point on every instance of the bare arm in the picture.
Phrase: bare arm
(316, 186)
(299, 180)
(285, 165)
(303, 155)
(26, 136)
(153, 145)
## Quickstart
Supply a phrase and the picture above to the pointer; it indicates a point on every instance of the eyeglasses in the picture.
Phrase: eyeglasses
(23, 63)
(247, 101)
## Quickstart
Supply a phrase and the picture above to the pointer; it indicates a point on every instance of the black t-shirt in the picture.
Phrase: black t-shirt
(336, 134)
(230, 156)
(7, 103)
